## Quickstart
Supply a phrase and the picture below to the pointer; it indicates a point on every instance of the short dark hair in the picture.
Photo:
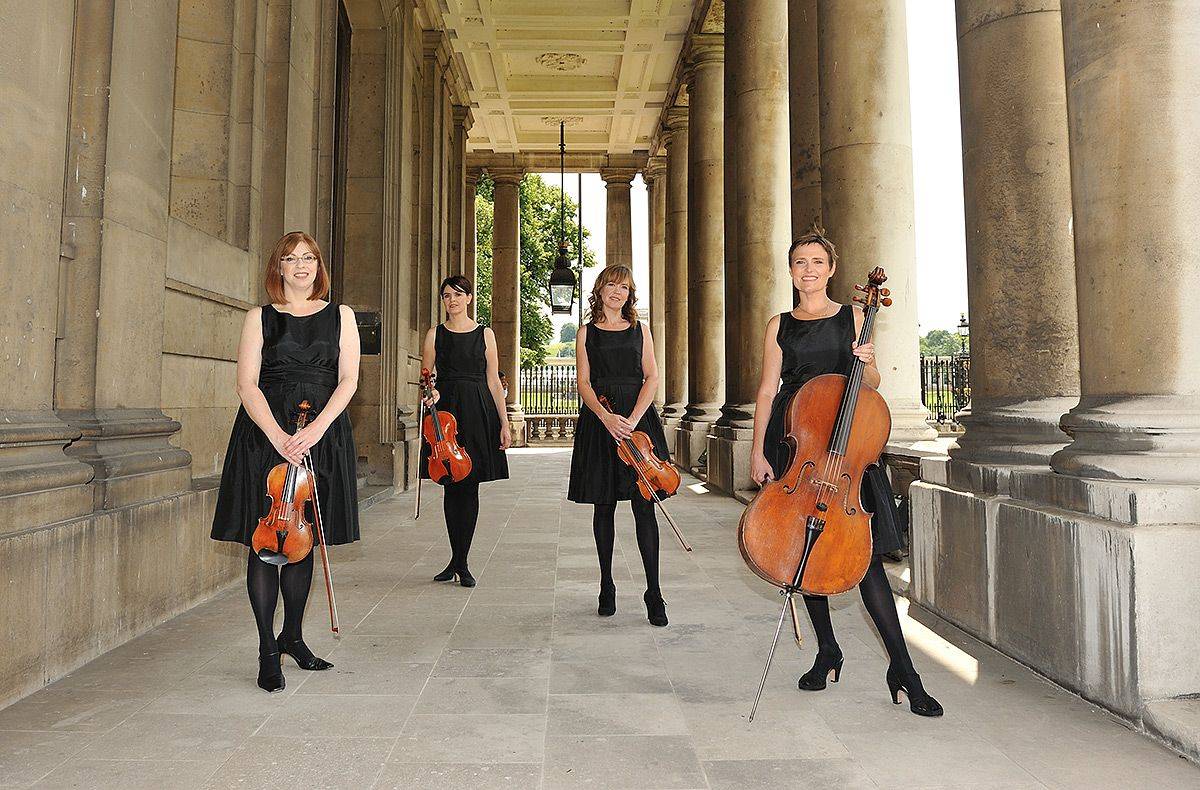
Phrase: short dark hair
(814, 236)
(458, 283)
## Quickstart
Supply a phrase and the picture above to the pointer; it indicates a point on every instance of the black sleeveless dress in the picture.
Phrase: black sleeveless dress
(810, 349)
(299, 362)
(461, 363)
(598, 476)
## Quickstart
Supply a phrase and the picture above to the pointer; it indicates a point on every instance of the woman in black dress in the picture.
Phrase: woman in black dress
(614, 355)
(298, 347)
(819, 336)
(463, 355)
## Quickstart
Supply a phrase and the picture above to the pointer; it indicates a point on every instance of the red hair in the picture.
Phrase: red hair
(273, 280)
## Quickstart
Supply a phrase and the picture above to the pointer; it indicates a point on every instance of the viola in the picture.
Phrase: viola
(284, 535)
(448, 461)
(808, 531)
(656, 480)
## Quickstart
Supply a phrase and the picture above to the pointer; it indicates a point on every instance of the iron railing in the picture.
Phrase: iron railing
(945, 386)
(549, 390)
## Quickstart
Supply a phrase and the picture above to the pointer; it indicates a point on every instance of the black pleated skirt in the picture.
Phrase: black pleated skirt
(243, 499)
(598, 476)
(478, 424)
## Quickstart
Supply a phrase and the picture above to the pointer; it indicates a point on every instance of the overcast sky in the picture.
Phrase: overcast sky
(937, 173)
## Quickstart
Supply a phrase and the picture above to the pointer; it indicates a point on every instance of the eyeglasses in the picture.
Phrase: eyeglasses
(291, 260)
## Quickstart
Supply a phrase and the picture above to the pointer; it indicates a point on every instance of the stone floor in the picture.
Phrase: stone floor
(518, 684)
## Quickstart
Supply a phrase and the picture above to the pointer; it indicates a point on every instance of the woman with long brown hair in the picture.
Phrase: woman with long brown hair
(614, 355)
(819, 336)
(297, 347)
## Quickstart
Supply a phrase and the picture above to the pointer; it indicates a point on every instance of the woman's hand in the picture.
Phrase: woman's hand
(505, 435)
(865, 352)
(760, 470)
(435, 397)
(620, 428)
(279, 440)
(301, 441)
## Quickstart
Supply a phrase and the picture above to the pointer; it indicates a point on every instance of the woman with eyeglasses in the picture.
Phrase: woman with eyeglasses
(615, 359)
(297, 347)
(462, 355)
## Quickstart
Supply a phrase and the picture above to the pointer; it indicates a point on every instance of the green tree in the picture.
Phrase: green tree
(539, 248)
(941, 343)
(568, 332)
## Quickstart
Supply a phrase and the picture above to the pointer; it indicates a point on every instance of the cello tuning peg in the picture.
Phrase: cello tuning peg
(886, 302)
(858, 287)
(858, 299)
(885, 292)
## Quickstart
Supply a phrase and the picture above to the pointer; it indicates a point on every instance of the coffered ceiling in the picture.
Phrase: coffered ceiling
(605, 66)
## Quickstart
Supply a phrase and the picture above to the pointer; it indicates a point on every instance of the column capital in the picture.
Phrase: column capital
(618, 175)
(434, 46)
(471, 179)
(707, 49)
(656, 168)
(507, 175)
(676, 120)
(462, 116)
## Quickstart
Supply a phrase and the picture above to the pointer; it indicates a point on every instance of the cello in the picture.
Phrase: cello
(808, 532)
(284, 535)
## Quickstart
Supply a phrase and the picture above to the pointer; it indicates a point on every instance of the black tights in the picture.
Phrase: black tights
(604, 531)
(877, 597)
(264, 582)
(461, 506)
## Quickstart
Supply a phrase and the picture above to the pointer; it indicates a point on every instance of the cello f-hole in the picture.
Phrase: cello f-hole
(801, 479)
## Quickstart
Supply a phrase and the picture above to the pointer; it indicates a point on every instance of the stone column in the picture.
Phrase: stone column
(705, 248)
(468, 261)
(110, 387)
(618, 238)
(756, 59)
(432, 176)
(506, 290)
(38, 482)
(804, 103)
(1020, 259)
(456, 187)
(675, 367)
(656, 202)
(866, 184)
(1134, 116)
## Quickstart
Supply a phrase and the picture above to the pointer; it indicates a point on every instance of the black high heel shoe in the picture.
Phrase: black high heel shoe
(656, 609)
(303, 657)
(827, 664)
(445, 575)
(607, 605)
(270, 673)
(919, 700)
(465, 578)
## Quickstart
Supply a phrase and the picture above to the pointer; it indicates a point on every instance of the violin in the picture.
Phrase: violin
(284, 535)
(808, 531)
(656, 480)
(447, 459)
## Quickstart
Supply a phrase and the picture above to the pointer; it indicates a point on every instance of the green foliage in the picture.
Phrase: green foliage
(561, 349)
(941, 343)
(568, 332)
(539, 248)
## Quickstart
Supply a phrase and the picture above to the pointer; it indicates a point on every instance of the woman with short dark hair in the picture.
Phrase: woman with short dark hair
(462, 354)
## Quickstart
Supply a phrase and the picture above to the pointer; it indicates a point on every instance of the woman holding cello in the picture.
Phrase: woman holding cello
(296, 348)
(615, 359)
(818, 337)
(463, 355)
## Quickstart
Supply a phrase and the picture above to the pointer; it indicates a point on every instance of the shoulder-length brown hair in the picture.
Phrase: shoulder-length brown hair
(273, 280)
(613, 274)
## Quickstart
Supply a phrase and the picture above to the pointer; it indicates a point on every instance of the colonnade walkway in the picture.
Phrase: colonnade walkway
(518, 684)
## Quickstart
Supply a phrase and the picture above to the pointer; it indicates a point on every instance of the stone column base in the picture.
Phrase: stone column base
(729, 461)
(1080, 579)
(39, 483)
(910, 422)
(516, 424)
(132, 455)
(691, 446)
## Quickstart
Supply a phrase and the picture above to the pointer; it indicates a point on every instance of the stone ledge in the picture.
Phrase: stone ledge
(1176, 722)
